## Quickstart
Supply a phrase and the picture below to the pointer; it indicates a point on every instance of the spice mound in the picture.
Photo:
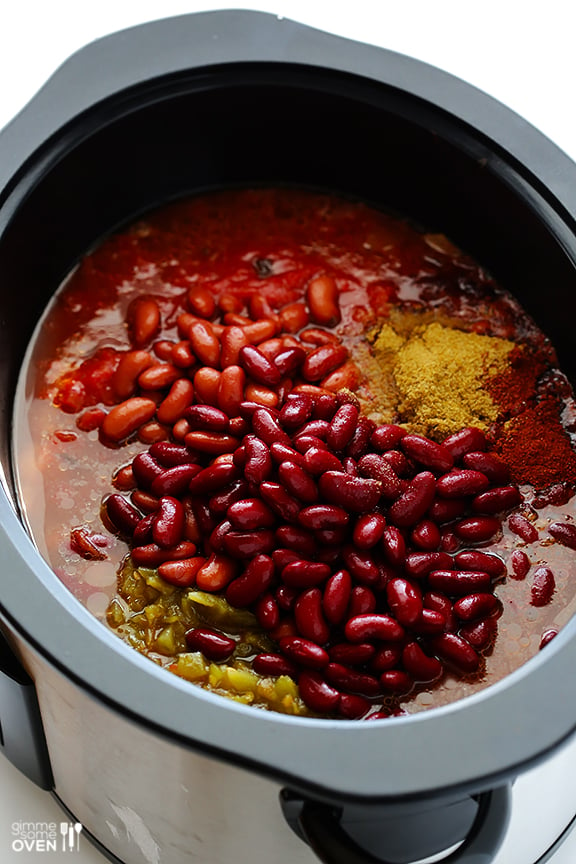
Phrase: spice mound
(328, 461)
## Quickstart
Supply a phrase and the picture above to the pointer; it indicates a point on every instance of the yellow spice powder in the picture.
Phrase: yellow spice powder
(439, 374)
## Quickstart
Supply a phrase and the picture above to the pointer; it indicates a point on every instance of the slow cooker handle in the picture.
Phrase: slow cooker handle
(321, 827)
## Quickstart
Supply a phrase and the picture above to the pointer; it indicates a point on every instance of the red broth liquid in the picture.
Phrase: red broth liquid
(248, 245)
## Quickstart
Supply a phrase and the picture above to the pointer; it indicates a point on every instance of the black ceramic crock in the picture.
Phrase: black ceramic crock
(238, 98)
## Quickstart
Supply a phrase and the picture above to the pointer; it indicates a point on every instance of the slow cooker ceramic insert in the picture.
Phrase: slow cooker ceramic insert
(156, 770)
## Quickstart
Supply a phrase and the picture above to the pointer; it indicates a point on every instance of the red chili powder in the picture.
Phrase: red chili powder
(537, 448)
(514, 389)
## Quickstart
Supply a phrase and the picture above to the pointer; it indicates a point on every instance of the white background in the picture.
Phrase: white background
(522, 53)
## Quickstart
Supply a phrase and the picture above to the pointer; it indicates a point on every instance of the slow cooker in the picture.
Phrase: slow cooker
(153, 769)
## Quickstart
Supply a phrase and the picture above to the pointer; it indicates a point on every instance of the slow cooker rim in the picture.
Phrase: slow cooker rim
(213, 708)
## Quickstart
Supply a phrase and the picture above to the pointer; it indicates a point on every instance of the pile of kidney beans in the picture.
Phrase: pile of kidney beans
(350, 542)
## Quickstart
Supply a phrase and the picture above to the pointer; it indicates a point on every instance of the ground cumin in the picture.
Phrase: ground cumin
(440, 374)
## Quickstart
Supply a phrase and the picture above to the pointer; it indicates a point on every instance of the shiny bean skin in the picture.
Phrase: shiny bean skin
(427, 453)
(174, 481)
(206, 385)
(247, 544)
(364, 628)
(215, 646)
(207, 418)
(489, 464)
(231, 390)
(356, 494)
(564, 533)
(444, 510)
(216, 573)
(465, 441)
(297, 539)
(523, 528)
(258, 367)
(497, 500)
(405, 601)
(419, 665)
(267, 612)
(336, 596)
(430, 622)
(266, 427)
(309, 616)
(304, 652)
(317, 461)
(124, 419)
(281, 453)
(205, 344)
(362, 601)
(396, 681)
(480, 634)
(361, 565)
(296, 411)
(143, 318)
(322, 361)
(425, 536)
(352, 706)
(273, 664)
(413, 503)
(456, 651)
(130, 366)
(342, 427)
(368, 530)
(375, 466)
(323, 516)
(352, 655)
(232, 341)
(352, 681)
(168, 523)
(256, 579)
(322, 300)
(280, 501)
(298, 482)
(216, 476)
(123, 516)
(158, 377)
(145, 469)
(387, 436)
(543, 586)
(174, 405)
(152, 555)
(394, 546)
(289, 361)
(419, 564)
(475, 606)
(459, 582)
(258, 467)
(305, 574)
(317, 694)
(201, 301)
(294, 317)
(250, 513)
(386, 658)
(477, 529)
(169, 455)
(473, 559)
(181, 573)
(461, 482)
(264, 397)
(520, 563)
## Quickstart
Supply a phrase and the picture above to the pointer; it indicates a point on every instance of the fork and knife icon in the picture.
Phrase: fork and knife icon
(70, 832)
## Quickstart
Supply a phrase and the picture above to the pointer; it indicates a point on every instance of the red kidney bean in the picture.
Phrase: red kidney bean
(420, 665)
(174, 405)
(303, 443)
(289, 361)
(247, 544)
(432, 622)
(286, 597)
(394, 546)
(459, 582)
(352, 655)
(496, 500)
(317, 336)
(201, 301)
(298, 482)
(180, 355)
(425, 535)
(181, 573)
(362, 601)
(283, 557)
(347, 376)
(475, 606)
(520, 564)
(152, 555)
(325, 406)
(216, 476)
(351, 680)
(212, 443)
(231, 390)
(258, 466)
(143, 531)
(124, 419)
(267, 428)
(318, 517)
(317, 461)
(336, 596)
(361, 565)
(158, 377)
(309, 617)
(296, 410)
(523, 528)
(298, 539)
(262, 329)
(143, 319)
(294, 317)
(174, 481)
(477, 529)
(215, 646)
(130, 366)
(387, 436)
(342, 426)
(413, 503)
(123, 516)
(304, 652)
(230, 303)
(323, 360)
(281, 453)
(204, 518)
(489, 464)
(145, 469)
(273, 664)
(352, 706)
(206, 385)
(361, 438)
(258, 367)
(419, 564)
(396, 681)
(404, 600)
(250, 513)
(317, 694)
(168, 523)
(386, 658)
(547, 637)
(449, 542)
(144, 501)
(205, 344)
(216, 539)
(427, 453)
(123, 479)
(322, 300)
(456, 651)
(280, 501)
(480, 634)
(232, 341)
(249, 407)
(305, 574)
(543, 586)
(163, 348)
(464, 441)
(564, 533)
(473, 559)
(353, 493)
(152, 432)
(378, 468)
(257, 578)
(180, 429)
(461, 482)
(315, 428)
(444, 510)
(168, 455)
(267, 612)
(368, 530)
(207, 418)
(216, 573)
(363, 628)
